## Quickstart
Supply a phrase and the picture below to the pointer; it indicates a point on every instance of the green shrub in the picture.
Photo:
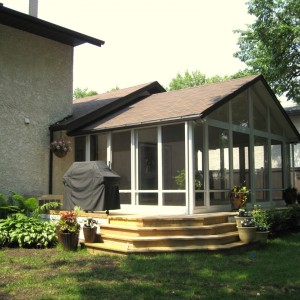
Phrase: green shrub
(20, 230)
(281, 220)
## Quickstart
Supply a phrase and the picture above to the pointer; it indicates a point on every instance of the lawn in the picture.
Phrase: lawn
(268, 272)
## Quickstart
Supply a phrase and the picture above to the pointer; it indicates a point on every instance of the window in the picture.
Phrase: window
(80, 148)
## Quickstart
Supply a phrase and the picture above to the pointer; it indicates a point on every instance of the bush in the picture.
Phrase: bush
(281, 220)
(20, 230)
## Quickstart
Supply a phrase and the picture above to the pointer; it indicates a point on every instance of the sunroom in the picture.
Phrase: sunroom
(181, 152)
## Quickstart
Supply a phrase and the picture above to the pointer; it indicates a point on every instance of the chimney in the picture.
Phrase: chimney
(33, 8)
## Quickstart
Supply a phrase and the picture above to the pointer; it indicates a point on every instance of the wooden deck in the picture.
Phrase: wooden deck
(149, 234)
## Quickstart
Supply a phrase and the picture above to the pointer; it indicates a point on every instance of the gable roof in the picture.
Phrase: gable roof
(137, 106)
(90, 109)
(21, 21)
(189, 103)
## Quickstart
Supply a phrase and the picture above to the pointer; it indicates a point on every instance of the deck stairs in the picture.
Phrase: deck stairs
(147, 234)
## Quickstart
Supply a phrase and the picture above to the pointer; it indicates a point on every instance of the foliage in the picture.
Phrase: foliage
(282, 220)
(270, 45)
(81, 93)
(90, 222)
(248, 223)
(180, 179)
(290, 195)
(44, 208)
(20, 230)
(196, 78)
(240, 192)
(244, 213)
(60, 146)
(15, 203)
(260, 218)
(68, 222)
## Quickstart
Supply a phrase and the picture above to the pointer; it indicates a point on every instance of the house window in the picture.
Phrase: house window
(147, 166)
(173, 164)
(276, 168)
(240, 110)
(218, 165)
(121, 161)
(240, 158)
(261, 180)
(80, 148)
(99, 147)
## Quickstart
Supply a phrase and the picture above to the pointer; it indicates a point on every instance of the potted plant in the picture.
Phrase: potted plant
(239, 196)
(262, 224)
(262, 233)
(90, 230)
(60, 147)
(243, 214)
(68, 230)
(247, 231)
(290, 195)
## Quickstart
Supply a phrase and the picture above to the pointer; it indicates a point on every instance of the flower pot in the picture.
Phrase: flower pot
(240, 219)
(60, 154)
(69, 241)
(262, 236)
(89, 234)
(247, 234)
(237, 200)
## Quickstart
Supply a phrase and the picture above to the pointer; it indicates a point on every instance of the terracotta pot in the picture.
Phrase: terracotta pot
(262, 236)
(89, 234)
(247, 234)
(69, 241)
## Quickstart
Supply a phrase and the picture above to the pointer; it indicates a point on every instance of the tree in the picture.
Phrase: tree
(271, 45)
(197, 78)
(81, 93)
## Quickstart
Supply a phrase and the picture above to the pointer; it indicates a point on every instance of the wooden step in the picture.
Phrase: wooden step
(98, 248)
(108, 229)
(169, 241)
(141, 234)
(168, 221)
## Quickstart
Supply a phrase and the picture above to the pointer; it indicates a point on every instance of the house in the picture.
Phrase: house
(181, 152)
(36, 78)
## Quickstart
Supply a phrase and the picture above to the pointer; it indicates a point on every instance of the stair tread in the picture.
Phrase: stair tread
(124, 249)
(175, 237)
(149, 228)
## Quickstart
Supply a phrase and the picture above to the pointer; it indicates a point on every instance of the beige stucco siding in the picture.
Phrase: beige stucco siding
(36, 86)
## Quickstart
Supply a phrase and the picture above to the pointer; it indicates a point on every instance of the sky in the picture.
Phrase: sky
(147, 40)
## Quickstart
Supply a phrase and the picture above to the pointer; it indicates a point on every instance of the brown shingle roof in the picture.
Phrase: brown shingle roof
(180, 104)
(92, 108)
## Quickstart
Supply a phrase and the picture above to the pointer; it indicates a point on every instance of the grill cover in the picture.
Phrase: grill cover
(92, 185)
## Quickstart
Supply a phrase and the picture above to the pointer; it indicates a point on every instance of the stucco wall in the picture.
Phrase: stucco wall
(61, 165)
(36, 84)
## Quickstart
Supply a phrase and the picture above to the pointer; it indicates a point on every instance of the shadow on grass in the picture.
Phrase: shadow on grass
(271, 272)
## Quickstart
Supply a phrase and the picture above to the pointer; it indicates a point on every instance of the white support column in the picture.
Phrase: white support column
(88, 148)
(159, 163)
(191, 163)
(206, 165)
(133, 168)
(109, 153)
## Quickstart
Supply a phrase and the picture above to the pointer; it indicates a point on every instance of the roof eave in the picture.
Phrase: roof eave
(24, 22)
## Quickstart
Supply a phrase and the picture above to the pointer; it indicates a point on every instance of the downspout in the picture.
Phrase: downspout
(50, 165)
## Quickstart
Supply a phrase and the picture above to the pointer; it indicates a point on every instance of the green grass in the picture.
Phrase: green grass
(269, 272)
